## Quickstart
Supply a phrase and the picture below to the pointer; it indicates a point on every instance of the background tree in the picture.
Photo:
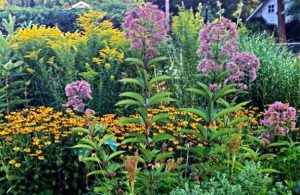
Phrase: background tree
(281, 21)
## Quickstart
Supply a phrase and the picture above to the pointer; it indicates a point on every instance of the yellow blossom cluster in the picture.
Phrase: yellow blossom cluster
(43, 125)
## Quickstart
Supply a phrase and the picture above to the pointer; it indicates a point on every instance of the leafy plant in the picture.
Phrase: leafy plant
(98, 151)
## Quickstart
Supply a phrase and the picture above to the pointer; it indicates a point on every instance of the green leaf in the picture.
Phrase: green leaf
(125, 121)
(162, 137)
(199, 92)
(135, 61)
(226, 111)
(158, 98)
(163, 156)
(158, 79)
(205, 88)
(129, 102)
(83, 146)
(89, 142)
(228, 89)
(252, 153)
(270, 170)
(278, 144)
(190, 132)
(112, 144)
(133, 95)
(115, 154)
(81, 130)
(197, 112)
(160, 117)
(237, 120)
(156, 60)
(132, 81)
(131, 140)
(221, 132)
(91, 158)
(97, 172)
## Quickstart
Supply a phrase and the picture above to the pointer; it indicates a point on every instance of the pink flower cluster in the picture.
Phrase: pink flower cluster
(219, 48)
(240, 65)
(280, 117)
(77, 92)
(145, 27)
(218, 39)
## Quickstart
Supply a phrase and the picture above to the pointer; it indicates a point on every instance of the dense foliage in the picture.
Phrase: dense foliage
(147, 107)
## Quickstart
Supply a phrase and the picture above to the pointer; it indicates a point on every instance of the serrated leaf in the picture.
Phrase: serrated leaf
(161, 116)
(132, 81)
(115, 154)
(81, 130)
(163, 156)
(199, 92)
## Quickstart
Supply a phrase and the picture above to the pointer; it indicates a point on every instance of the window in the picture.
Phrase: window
(271, 8)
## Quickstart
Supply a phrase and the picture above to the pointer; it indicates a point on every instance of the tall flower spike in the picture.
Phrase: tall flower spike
(145, 27)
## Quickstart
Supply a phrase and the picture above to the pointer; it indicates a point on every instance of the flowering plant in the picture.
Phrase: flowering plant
(280, 118)
(77, 92)
(145, 27)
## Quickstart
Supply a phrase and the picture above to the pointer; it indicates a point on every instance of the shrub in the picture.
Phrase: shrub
(35, 152)
(276, 78)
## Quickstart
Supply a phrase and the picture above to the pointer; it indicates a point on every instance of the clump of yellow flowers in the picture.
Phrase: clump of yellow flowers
(43, 127)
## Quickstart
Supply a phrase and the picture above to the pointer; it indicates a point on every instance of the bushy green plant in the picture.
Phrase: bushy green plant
(250, 180)
(279, 73)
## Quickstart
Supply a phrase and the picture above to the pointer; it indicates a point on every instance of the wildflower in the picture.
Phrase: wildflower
(280, 118)
(16, 149)
(77, 92)
(145, 27)
(265, 137)
(27, 150)
(221, 34)
(206, 66)
(41, 157)
(18, 165)
(214, 87)
(240, 64)
(11, 162)
(89, 112)
(131, 167)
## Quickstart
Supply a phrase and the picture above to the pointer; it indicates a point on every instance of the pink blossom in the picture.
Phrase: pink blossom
(280, 118)
(77, 92)
(206, 66)
(145, 27)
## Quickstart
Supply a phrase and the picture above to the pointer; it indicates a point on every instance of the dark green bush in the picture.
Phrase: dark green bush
(279, 75)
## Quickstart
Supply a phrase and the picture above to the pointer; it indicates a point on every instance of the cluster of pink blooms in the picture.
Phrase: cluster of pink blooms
(218, 45)
(145, 27)
(221, 34)
(240, 64)
(77, 92)
(280, 118)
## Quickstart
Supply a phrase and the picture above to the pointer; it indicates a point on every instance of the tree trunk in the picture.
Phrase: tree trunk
(167, 9)
(281, 21)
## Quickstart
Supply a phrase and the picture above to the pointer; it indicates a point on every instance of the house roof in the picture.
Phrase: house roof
(80, 4)
(257, 9)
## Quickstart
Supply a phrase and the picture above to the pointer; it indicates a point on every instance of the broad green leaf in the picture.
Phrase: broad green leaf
(98, 172)
(199, 92)
(252, 153)
(228, 89)
(135, 61)
(226, 111)
(156, 60)
(91, 158)
(131, 140)
(129, 102)
(81, 130)
(115, 154)
(132, 81)
(158, 79)
(197, 112)
(133, 95)
(237, 120)
(270, 170)
(190, 132)
(125, 121)
(112, 144)
(163, 156)
(158, 98)
(161, 116)
(205, 88)
(221, 132)
(89, 142)
(162, 137)
(83, 146)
